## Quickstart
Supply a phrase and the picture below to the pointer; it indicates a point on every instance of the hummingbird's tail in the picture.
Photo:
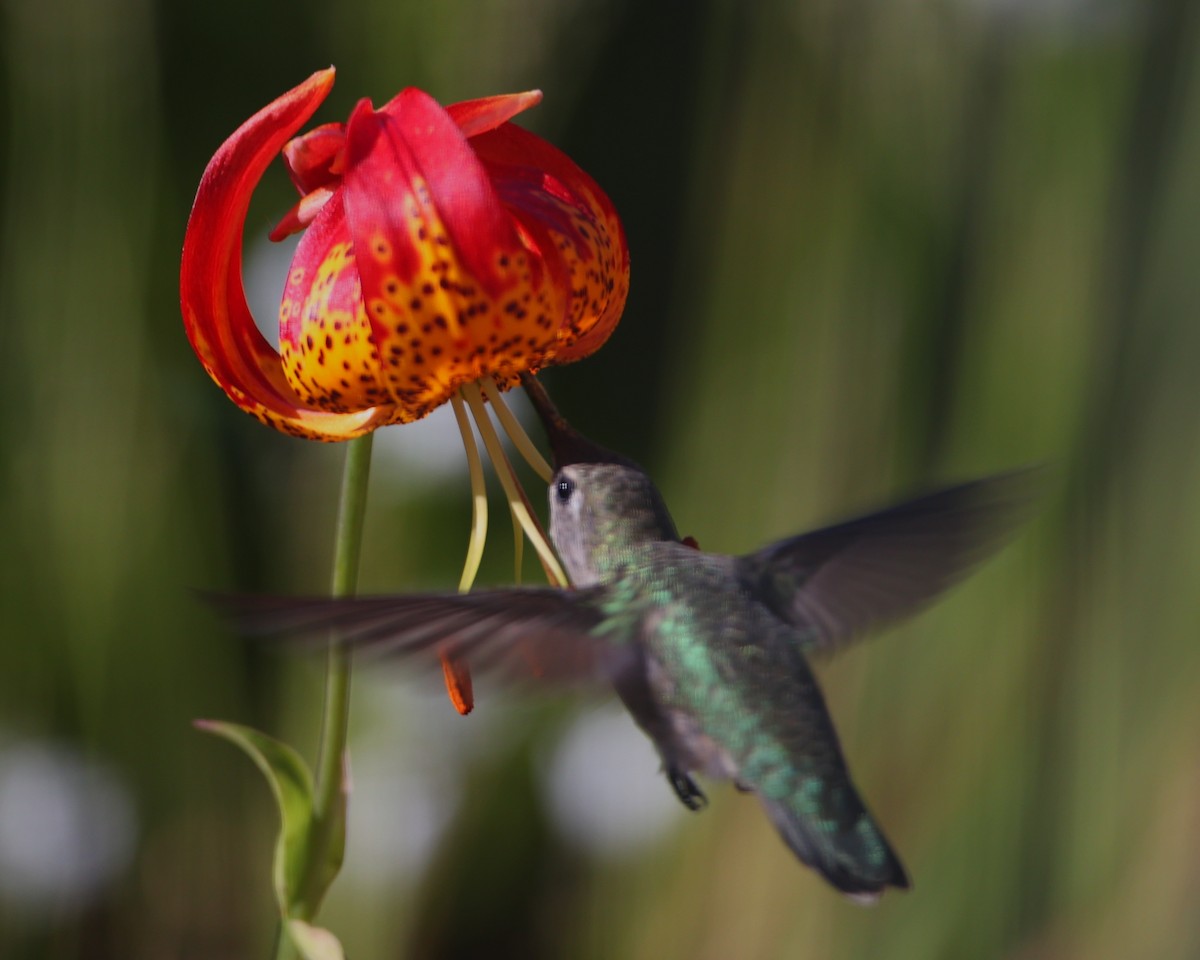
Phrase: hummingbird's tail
(855, 858)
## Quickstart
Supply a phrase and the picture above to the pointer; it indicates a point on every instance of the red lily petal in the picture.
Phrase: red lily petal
(414, 139)
(302, 214)
(479, 116)
(549, 194)
(216, 317)
(316, 158)
(451, 290)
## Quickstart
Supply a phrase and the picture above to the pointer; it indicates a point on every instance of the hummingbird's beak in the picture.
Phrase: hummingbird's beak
(567, 444)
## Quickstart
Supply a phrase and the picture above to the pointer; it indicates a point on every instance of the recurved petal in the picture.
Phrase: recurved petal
(566, 214)
(302, 214)
(216, 317)
(451, 290)
(479, 116)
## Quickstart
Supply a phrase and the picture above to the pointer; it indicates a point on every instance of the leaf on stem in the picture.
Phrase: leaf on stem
(291, 782)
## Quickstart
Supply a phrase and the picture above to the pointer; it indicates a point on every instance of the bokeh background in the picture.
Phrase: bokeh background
(875, 246)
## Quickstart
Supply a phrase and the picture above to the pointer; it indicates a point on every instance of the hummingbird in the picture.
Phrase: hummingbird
(708, 652)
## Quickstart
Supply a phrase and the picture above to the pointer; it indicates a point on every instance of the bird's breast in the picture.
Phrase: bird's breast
(690, 744)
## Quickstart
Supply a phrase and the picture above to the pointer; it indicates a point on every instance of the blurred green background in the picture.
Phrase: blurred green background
(875, 246)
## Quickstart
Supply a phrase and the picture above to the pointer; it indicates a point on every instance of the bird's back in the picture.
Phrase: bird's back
(742, 703)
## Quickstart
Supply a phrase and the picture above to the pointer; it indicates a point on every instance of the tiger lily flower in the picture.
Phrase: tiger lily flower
(446, 251)
(441, 246)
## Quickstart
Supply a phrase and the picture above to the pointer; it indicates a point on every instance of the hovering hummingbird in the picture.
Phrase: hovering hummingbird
(707, 651)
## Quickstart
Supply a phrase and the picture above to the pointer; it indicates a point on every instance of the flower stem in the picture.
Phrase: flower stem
(285, 949)
(329, 799)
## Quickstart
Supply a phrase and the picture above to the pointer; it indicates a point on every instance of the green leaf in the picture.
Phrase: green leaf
(314, 943)
(291, 782)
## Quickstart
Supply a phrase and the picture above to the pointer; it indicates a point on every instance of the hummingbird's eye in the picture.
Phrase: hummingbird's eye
(564, 490)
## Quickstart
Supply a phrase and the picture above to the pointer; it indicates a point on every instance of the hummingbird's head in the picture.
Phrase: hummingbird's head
(600, 502)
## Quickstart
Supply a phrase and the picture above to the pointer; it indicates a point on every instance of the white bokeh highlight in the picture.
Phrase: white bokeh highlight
(408, 766)
(605, 788)
(67, 826)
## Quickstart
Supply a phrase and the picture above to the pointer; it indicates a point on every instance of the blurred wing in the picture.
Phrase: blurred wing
(834, 584)
(520, 632)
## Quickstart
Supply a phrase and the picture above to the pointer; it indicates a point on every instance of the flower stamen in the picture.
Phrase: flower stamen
(518, 549)
(512, 489)
(455, 671)
(516, 433)
(479, 505)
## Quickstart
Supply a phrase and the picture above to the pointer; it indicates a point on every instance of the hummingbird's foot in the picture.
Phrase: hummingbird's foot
(742, 787)
(685, 788)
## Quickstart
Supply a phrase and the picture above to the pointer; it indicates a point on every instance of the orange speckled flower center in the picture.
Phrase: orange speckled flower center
(430, 327)
(325, 340)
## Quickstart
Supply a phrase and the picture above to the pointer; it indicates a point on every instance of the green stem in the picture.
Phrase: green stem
(285, 949)
(347, 546)
(328, 831)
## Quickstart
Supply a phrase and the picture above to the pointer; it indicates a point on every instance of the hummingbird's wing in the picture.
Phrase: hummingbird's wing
(521, 632)
(833, 584)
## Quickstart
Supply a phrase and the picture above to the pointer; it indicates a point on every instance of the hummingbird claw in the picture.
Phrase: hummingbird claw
(685, 788)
